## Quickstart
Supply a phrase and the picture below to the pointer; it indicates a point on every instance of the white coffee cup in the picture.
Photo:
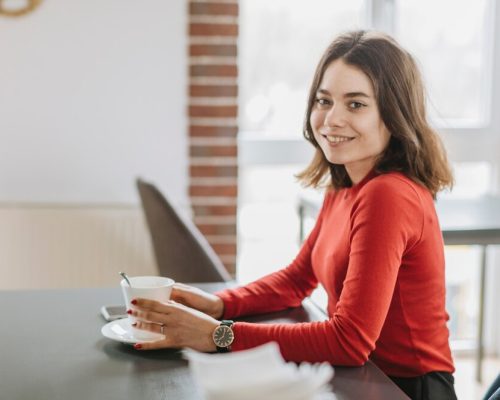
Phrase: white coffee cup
(147, 287)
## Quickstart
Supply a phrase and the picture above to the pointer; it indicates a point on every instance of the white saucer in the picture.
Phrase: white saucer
(121, 331)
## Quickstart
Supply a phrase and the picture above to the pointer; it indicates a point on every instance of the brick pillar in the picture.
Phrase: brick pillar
(213, 109)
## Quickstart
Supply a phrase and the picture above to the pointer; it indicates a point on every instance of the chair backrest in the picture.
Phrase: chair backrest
(182, 252)
(493, 392)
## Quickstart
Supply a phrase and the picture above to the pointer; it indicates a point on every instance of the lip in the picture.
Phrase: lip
(349, 139)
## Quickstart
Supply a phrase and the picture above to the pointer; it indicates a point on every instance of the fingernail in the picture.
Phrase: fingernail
(134, 302)
(129, 311)
(134, 324)
(137, 346)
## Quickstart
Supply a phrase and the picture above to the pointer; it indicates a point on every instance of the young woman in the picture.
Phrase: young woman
(376, 247)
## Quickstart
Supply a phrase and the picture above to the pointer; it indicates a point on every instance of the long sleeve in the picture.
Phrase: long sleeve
(378, 252)
(277, 291)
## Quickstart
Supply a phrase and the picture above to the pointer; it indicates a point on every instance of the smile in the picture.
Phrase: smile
(337, 139)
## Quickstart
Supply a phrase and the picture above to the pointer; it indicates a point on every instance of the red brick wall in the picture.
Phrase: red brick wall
(213, 110)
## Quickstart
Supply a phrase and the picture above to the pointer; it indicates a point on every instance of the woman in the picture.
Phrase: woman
(376, 247)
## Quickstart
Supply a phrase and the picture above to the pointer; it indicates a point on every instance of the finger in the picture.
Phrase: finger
(149, 326)
(152, 305)
(149, 316)
(157, 344)
(180, 290)
(179, 285)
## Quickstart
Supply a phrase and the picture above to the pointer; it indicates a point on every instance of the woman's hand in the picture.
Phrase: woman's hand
(198, 299)
(182, 326)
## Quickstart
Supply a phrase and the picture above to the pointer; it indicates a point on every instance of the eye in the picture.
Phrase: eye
(354, 105)
(322, 101)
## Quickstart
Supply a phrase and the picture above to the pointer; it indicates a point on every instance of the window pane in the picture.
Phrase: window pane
(451, 40)
(281, 42)
(472, 179)
(268, 222)
(462, 292)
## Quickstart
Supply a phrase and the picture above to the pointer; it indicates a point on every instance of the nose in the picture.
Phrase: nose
(334, 117)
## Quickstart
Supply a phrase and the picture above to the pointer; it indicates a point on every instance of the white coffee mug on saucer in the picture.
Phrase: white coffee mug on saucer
(147, 287)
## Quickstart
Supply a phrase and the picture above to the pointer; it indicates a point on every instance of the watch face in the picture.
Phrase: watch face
(223, 336)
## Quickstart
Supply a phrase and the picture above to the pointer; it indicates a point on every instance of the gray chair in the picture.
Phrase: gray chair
(181, 251)
(493, 392)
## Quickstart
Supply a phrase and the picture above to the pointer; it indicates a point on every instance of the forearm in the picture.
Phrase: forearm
(277, 291)
(329, 341)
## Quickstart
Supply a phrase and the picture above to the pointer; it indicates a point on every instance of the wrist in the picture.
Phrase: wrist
(223, 336)
(218, 309)
(212, 348)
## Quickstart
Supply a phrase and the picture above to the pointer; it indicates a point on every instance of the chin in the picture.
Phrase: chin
(334, 160)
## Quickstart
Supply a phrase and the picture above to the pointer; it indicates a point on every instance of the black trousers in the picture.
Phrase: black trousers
(431, 386)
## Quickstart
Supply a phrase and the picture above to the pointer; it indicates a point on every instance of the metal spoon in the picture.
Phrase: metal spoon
(124, 276)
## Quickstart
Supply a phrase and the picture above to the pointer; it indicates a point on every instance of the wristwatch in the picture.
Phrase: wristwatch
(223, 336)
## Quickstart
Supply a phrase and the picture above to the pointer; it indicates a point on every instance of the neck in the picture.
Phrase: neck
(358, 174)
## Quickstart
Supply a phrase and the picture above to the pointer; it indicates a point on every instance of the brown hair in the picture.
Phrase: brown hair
(414, 148)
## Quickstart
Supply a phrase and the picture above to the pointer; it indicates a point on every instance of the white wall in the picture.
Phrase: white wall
(93, 94)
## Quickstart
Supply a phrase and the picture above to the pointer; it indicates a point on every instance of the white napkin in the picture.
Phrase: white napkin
(258, 373)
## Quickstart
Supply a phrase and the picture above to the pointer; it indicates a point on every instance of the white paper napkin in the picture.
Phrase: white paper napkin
(258, 373)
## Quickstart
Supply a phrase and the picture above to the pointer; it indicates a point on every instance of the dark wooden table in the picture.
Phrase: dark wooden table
(51, 348)
(474, 221)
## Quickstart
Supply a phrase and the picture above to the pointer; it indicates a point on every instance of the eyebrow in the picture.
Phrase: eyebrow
(347, 95)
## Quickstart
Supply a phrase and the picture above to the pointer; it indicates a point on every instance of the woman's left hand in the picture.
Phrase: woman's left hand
(182, 326)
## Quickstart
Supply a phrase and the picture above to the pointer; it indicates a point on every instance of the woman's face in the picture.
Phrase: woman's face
(346, 122)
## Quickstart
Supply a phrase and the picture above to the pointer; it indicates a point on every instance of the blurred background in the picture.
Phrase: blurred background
(206, 99)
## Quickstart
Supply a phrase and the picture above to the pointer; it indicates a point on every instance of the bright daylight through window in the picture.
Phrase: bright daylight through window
(455, 56)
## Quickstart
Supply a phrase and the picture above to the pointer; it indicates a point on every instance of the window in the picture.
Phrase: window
(472, 179)
(280, 43)
(268, 223)
(454, 51)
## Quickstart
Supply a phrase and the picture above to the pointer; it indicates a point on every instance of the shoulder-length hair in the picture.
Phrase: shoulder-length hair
(414, 148)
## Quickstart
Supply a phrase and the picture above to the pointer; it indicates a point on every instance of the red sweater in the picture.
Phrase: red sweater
(377, 250)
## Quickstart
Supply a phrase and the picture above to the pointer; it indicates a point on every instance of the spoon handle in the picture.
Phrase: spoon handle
(124, 275)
